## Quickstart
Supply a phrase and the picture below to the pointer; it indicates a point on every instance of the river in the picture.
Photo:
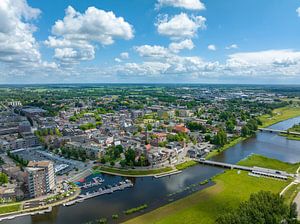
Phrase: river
(157, 192)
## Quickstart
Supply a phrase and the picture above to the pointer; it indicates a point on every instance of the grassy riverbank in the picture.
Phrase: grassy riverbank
(204, 206)
(292, 137)
(231, 188)
(132, 172)
(262, 161)
(223, 148)
(279, 115)
(186, 164)
(10, 208)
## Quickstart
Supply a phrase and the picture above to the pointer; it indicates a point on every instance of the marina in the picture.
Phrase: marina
(101, 191)
(96, 182)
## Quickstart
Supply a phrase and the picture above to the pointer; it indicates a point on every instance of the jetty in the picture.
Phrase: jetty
(101, 191)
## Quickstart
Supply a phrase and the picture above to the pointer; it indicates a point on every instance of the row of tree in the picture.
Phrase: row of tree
(17, 158)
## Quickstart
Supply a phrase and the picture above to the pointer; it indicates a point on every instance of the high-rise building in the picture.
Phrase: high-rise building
(40, 177)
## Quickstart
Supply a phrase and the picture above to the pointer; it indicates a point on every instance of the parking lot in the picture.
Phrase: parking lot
(61, 165)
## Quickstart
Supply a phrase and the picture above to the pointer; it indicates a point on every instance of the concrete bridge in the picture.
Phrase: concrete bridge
(255, 170)
(279, 131)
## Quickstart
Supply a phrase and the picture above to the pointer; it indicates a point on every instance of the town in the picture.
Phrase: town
(49, 141)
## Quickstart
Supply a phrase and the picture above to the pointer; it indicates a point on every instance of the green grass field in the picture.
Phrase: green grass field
(10, 208)
(280, 114)
(204, 206)
(262, 161)
(133, 172)
(186, 164)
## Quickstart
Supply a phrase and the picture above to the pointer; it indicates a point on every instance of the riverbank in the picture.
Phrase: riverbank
(13, 207)
(133, 172)
(231, 188)
(223, 148)
(187, 164)
(280, 114)
(17, 209)
(291, 137)
(262, 161)
(204, 206)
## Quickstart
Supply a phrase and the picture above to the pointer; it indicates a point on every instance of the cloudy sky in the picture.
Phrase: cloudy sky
(150, 41)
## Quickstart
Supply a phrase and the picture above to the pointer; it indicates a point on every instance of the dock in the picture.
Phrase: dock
(167, 174)
(83, 197)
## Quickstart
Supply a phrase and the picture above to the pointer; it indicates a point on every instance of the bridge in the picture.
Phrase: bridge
(279, 131)
(255, 170)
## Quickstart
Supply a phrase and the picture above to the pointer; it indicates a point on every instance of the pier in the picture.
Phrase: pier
(122, 185)
(167, 174)
(96, 182)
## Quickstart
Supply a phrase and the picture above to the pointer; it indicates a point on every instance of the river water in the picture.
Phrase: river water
(157, 192)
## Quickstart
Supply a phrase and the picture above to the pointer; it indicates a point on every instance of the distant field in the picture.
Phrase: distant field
(262, 161)
(280, 114)
(204, 206)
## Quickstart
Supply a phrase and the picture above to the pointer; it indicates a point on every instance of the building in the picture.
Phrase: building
(40, 178)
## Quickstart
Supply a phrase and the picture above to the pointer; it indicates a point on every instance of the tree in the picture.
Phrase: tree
(262, 208)
(103, 161)
(230, 126)
(245, 131)
(130, 156)
(3, 178)
(123, 163)
(149, 127)
(220, 138)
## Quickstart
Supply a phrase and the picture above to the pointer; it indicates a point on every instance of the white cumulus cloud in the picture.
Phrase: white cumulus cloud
(124, 55)
(154, 51)
(17, 43)
(178, 46)
(77, 33)
(232, 46)
(186, 4)
(298, 11)
(180, 26)
(212, 47)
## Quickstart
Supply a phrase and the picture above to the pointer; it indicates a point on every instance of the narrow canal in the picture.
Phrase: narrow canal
(157, 192)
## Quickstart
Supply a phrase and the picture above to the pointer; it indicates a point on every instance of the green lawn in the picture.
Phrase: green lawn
(204, 206)
(132, 172)
(262, 161)
(280, 114)
(10, 208)
(186, 164)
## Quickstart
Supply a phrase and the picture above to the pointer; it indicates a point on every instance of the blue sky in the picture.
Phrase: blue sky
(70, 41)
